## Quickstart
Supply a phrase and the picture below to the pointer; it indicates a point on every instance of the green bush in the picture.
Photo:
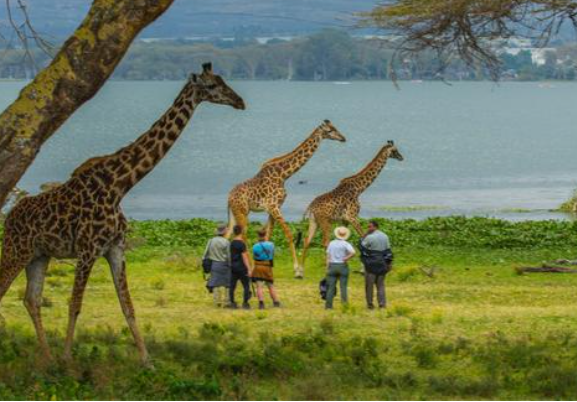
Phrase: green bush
(455, 231)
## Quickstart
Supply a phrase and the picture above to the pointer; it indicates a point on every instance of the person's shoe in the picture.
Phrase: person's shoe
(246, 306)
(371, 307)
(232, 306)
(261, 305)
(276, 304)
(384, 306)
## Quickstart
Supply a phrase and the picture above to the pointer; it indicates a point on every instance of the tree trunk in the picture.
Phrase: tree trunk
(78, 71)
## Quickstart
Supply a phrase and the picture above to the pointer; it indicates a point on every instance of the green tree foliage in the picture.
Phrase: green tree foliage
(469, 27)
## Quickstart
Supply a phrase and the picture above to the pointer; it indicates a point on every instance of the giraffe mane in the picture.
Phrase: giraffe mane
(367, 167)
(288, 154)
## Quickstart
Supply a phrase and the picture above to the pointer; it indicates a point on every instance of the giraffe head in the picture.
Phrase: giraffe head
(394, 152)
(330, 132)
(212, 88)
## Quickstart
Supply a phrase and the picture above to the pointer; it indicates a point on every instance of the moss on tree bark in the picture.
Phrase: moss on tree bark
(78, 71)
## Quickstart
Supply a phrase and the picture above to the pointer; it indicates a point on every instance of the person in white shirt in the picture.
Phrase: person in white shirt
(339, 252)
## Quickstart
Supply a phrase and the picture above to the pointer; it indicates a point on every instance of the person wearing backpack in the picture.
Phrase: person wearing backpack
(263, 254)
(216, 260)
(240, 268)
(377, 258)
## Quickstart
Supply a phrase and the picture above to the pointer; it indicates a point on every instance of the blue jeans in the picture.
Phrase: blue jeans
(340, 273)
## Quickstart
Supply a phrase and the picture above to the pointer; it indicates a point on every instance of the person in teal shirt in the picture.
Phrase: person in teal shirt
(263, 254)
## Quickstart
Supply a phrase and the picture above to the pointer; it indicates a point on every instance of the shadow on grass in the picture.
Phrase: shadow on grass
(230, 362)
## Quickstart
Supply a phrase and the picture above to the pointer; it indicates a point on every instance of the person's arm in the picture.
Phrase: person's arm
(246, 259)
(327, 260)
(247, 263)
(351, 253)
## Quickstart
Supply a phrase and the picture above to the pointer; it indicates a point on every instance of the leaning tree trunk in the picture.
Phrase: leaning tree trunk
(81, 67)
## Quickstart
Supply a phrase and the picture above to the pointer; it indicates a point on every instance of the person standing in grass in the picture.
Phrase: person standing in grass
(263, 254)
(240, 268)
(339, 252)
(377, 259)
(218, 253)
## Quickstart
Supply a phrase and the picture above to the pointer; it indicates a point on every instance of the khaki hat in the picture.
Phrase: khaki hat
(221, 230)
(342, 233)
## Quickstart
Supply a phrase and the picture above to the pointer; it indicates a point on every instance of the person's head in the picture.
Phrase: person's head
(373, 226)
(262, 234)
(342, 233)
(237, 230)
(221, 230)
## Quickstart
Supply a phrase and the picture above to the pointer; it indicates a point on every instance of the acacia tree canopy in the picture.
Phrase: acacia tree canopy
(77, 72)
(467, 27)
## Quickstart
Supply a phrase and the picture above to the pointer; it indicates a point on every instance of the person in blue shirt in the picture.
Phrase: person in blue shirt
(263, 255)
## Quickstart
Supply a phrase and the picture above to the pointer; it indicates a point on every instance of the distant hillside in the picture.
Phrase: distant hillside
(213, 17)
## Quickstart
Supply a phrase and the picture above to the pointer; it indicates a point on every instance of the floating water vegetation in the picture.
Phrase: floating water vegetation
(411, 208)
(570, 205)
(517, 210)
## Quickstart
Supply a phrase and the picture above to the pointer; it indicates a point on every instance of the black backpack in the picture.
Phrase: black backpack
(324, 288)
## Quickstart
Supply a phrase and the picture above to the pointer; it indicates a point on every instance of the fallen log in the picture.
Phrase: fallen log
(567, 262)
(547, 269)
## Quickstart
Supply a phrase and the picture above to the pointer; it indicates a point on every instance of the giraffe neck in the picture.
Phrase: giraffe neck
(291, 163)
(363, 179)
(132, 163)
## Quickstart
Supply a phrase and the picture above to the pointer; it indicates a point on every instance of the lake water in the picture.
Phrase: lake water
(470, 148)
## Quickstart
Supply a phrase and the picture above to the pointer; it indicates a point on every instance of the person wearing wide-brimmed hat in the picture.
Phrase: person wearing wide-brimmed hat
(339, 252)
(218, 252)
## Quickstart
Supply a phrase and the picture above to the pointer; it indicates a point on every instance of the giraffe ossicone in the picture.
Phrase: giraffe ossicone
(82, 218)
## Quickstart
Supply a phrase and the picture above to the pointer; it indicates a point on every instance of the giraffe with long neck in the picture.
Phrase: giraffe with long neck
(82, 218)
(342, 203)
(266, 191)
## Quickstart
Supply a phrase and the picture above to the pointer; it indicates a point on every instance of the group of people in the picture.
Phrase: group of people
(228, 263)
(376, 256)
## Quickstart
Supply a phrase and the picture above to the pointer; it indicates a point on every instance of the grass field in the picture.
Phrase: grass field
(474, 330)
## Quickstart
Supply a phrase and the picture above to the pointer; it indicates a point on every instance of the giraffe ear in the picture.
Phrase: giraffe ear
(207, 68)
(194, 78)
(391, 142)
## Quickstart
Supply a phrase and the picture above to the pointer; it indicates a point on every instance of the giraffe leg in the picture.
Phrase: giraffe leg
(117, 262)
(8, 274)
(311, 234)
(277, 216)
(35, 275)
(10, 266)
(83, 269)
(269, 227)
(231, 222)
(356, 225)
(325, 226)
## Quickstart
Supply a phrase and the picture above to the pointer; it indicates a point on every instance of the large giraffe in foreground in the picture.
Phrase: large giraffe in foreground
(266, 191)
(342, 203)
(82, 218)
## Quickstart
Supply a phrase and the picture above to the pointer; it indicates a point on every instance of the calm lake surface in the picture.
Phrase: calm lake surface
(470, 148)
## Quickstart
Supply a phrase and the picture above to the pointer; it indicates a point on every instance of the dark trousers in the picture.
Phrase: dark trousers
(372, 280)
(340, 273)
(245, 281)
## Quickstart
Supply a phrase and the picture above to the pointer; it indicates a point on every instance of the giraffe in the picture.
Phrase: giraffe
(82, 218)
(266, 191)
(342, 203)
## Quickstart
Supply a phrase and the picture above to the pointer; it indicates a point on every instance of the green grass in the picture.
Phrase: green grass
(474, 330)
